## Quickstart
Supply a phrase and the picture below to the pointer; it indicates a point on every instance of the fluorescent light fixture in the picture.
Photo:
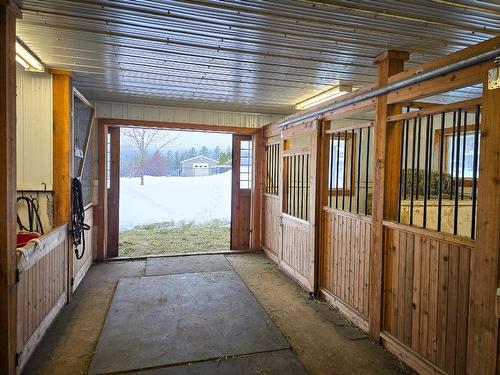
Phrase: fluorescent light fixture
(334, 92)
(27, 58)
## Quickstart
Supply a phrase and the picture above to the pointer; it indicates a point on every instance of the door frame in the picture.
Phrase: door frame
(103, 126)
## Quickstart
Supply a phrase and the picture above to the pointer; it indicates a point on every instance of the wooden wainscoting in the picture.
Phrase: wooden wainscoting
(344, 262)
(271, 228)
(426, 297)
(42, 287)
(297, 254)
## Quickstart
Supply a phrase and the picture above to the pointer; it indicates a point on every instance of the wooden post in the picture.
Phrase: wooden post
(257, 181)
(484, 273)
(102, 235)
(7, 189)
(385, 182)
(62, 107)
(113, 194)
(323, 147)
(62, 99)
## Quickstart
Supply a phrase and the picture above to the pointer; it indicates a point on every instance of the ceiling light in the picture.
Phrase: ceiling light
(28, 58)
(324, 96)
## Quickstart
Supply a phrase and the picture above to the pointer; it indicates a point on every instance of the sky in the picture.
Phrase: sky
(187, 139)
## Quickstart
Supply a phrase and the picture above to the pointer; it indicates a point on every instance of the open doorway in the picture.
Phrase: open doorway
(175, 191)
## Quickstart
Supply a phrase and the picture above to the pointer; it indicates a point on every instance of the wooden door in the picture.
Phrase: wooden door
(241, 196)
(297, 256)
(113, 190)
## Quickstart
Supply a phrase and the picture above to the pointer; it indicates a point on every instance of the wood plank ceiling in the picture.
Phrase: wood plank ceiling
(253, 56)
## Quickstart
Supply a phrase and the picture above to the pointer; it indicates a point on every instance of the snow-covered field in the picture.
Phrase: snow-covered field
(164, 199)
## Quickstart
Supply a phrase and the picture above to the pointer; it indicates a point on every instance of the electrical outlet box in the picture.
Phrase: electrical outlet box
(494, 78)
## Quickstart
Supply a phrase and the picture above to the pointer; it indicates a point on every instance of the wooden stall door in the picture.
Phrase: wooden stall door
(241, 192)
(113, 190)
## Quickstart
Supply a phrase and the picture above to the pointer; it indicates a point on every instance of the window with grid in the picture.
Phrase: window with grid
(272, 169)
(296, 188)
(245, 164)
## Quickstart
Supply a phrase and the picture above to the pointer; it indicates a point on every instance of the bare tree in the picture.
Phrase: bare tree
(146, 140)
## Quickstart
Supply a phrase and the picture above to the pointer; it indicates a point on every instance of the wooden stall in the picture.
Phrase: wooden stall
(402, 247)
(42, 287)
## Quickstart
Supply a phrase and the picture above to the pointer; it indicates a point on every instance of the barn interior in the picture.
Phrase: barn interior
(365, 186)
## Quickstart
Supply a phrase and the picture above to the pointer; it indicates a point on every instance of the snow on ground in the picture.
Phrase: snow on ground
(164, 199)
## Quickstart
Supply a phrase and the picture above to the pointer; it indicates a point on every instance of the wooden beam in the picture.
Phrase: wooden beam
(463, 54)
(385, 183)
(180, 126)
(8, 302)
(451, 81)
(484, 275)
(62, 93)
(436, 109)
(257, 190)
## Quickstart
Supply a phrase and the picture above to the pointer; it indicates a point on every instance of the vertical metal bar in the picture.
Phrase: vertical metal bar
(367, 170)
(426, 165)
(359, 169)
(431, 134)
(337, 174)
(344, 179)
(277, 171)
(452, 158)
(351, 172)
(441, 154)
(474, 173)
(269, 168)
(401, 175)
(412, 178)
(406, 126)
(457, 161)
(302, 187)
(330, 171)
(295, 181)
(289, 180)
(419, 138)
(463, 155)
(308, 157)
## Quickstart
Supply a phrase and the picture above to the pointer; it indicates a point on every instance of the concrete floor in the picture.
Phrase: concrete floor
(318, 335)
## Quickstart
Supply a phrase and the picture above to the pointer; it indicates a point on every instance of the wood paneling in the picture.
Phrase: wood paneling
(426, 296)
(346, 253)
(41, 291)
(7, 188)
(271, 225)
(297, 254)
(485, 275)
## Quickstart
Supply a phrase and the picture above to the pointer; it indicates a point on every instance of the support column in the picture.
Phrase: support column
(62, 107)
(62, 99)
(385, 182)
(8, 261)
(484, 273)
(257, 172)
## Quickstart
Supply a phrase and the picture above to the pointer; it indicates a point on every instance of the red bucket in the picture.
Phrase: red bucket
(24, 237)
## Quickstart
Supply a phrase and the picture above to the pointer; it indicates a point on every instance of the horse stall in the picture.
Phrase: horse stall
(50, 264)
(384, 221)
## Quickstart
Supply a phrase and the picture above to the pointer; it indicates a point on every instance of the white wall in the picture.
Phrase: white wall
(34, 130)
(182, 115)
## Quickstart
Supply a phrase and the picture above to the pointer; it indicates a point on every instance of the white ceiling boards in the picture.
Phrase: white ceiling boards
(252, 56)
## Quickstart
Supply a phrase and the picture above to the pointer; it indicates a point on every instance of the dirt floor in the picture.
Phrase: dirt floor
(320, 338)
(170, 238)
